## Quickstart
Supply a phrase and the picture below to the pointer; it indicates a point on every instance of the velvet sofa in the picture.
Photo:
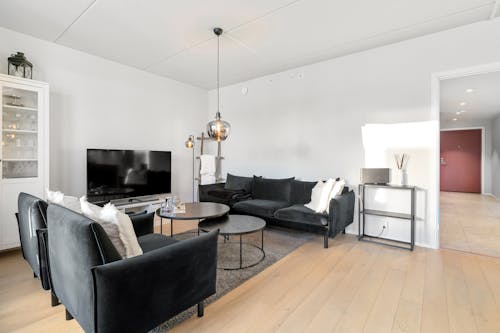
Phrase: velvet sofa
(107, 294)
(281, 202)
(32, 223)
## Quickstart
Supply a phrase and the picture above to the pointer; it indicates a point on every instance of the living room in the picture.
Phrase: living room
(313, 90)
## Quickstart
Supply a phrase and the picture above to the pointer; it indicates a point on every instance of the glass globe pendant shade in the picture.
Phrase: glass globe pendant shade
(218, 129)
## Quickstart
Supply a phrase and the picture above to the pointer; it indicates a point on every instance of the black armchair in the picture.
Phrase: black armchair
(105, 293)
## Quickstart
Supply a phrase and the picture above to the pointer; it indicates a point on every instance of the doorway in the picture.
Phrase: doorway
(461, 160)
(469, 162)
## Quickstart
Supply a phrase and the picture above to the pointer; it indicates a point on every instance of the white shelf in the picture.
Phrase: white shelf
(18, 131)
(24, 108)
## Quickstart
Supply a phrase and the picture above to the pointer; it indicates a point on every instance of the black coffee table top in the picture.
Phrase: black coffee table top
(197, 210)
(234, 224)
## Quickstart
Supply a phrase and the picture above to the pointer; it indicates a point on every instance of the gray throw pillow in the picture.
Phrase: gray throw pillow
(272, 189)
(238, 183)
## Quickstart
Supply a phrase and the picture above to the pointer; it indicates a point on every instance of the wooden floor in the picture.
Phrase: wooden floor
(350, 287)
(470, 222)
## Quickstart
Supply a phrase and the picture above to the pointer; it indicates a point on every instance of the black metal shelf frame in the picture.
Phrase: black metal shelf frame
(363, 211)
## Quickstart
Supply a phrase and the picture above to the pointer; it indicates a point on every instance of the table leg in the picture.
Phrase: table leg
(171, 228)
(241, 253)
(262, 241)
(161, 225)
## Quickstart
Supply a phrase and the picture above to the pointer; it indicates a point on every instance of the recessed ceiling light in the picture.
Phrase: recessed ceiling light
(454, 119)
(462, 103)
(458, 112)
(462, 111)
(470, 90)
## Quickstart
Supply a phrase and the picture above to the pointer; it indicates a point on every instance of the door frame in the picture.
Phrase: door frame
(483, 147)
(436, 79)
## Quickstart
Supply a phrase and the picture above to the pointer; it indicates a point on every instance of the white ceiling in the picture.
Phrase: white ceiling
(175, 39)
(482, 104)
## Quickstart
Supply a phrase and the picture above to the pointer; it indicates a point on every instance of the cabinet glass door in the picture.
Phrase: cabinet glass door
(19, 133)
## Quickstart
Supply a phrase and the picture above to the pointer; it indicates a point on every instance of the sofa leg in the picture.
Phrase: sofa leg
(200, 309)
(325, 241)
(68, 315)
(343, 231)
(54, 301)
(34, 275)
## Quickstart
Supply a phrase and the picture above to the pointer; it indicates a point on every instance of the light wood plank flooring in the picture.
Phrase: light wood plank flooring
(470, 222)
(350, 287)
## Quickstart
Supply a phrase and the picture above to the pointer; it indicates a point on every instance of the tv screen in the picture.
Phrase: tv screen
(116, 174)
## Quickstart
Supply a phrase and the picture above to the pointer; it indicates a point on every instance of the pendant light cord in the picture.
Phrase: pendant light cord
(218, 77)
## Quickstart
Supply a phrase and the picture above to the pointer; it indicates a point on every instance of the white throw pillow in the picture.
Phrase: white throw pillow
(58, 198)
(336, 190)
(117, 226)
(319, 196)
(315, 202)
(325, 194)
(55, 197)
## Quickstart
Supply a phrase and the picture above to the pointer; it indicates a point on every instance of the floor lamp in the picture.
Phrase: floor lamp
(190, 145)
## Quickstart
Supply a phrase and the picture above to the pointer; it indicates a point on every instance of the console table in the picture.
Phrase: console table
(363, 211)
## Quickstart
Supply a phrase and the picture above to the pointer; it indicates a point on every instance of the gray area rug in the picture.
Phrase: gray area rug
(278, 242)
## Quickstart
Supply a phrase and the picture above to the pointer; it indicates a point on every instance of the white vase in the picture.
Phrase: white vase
(403, 176)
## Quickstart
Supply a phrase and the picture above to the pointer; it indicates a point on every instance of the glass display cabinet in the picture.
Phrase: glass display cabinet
(24, 148)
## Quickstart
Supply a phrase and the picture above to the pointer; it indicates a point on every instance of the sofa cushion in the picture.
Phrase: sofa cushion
(152, 242)
(301, 192)
(224, 194)
(272, 189)
(301, 214)
(259, 207)
(238, 183)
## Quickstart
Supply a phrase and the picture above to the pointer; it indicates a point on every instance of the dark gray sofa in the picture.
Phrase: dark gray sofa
(106, 293)
(32, 223)
(281, 202)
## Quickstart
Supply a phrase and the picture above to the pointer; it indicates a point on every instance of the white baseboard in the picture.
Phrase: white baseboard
(491, 195)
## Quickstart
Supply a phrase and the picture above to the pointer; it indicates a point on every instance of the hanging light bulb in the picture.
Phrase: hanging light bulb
(218, 129)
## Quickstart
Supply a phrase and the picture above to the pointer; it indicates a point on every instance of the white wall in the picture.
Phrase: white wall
(496, 157)
(488, 152)
(307, 121)
(96, 103)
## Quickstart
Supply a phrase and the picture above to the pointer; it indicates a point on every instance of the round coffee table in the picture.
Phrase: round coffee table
(237, 225)
(194, 211)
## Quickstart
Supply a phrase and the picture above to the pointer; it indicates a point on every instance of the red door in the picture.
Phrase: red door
(461, 161)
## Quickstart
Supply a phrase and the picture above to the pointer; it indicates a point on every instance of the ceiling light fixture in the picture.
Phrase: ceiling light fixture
(457, 113)
(218, 129)
(454, 119)
(470, 90)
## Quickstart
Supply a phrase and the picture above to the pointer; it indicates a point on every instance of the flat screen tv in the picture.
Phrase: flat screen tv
(117, 174)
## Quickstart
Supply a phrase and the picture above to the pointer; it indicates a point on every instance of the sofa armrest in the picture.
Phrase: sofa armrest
(43, 257)
(143, 223)
(137, 294)
(341, 212)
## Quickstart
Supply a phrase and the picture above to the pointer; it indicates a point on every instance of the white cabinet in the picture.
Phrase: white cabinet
(24, 152)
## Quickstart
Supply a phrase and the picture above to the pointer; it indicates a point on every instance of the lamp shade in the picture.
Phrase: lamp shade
(190, 142)
(218, 129)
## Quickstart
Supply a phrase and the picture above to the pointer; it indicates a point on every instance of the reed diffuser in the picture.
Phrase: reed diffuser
(401, 164)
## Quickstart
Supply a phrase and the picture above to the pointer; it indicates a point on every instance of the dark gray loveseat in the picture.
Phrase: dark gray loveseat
(106, 293)
(281, 202)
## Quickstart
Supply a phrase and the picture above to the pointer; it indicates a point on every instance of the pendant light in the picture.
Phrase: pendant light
(218, 129)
